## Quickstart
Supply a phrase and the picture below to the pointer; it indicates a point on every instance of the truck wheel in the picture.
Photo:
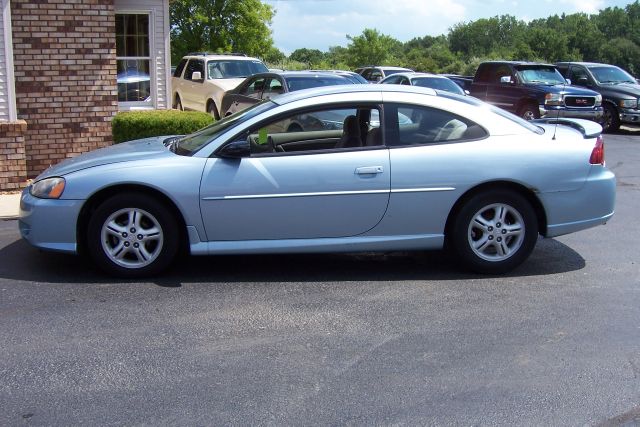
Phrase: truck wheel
(610, 119)
(529, 111)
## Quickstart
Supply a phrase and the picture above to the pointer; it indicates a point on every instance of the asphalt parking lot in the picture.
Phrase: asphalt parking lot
(364, 339)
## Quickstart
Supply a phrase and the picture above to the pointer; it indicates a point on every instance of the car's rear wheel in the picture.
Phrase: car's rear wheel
(610, 119)
(529, 111)
(494, 232)
(132, 235)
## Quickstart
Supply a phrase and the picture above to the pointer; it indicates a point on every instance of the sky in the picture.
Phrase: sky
(320, 24)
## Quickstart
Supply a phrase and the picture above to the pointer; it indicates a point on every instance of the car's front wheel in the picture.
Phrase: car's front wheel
(132, 235)
(494, 232)
(610, 119)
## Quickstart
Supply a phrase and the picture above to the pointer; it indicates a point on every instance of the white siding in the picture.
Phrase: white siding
(7, 97)
(160, 55)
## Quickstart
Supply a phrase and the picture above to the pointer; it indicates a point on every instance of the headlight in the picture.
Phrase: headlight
(598, 100)
(48, 188)
(628, 103)
(554, 99)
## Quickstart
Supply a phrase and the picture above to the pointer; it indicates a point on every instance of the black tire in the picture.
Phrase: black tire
(212, 110)
(493, 232)
(529, 111)
(610, 119)
(132, 235)
(179, 104)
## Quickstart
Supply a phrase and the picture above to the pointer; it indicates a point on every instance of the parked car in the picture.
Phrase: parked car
(460, 172)
(433, 81)
(533, 90)
(201, 79)
(266, 85)
(620, 91)
(351, 75)
(373, 74)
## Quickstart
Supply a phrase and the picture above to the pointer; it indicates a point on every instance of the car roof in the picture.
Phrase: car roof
(521, 63)
(349, 88)
(417, 74)
(286, 74)
(220, 56)
(586, 64)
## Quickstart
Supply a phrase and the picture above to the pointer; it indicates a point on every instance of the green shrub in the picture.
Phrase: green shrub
(129, 125)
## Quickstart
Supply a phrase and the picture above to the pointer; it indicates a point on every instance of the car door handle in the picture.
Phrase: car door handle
(369, 170)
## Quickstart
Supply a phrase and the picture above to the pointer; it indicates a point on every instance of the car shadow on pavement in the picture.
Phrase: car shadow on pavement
(23, 262)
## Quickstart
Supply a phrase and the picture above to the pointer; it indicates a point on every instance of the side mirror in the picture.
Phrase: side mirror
(235, 150)
(196, 75)
(505, 79)
(568, 81)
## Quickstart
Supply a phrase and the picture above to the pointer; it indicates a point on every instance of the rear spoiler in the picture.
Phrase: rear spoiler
(587, 128)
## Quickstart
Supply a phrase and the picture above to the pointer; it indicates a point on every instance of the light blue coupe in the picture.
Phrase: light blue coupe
(408, 168)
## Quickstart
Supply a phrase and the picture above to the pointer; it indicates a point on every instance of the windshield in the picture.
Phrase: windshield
(438, 83)
(189, 144)
(299, 83)
(544, 75)
(611, 75)
(234, 68)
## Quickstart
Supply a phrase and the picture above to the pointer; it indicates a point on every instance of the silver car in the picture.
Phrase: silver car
(408, 169)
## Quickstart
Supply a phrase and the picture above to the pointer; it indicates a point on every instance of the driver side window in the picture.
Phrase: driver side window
(320, 130)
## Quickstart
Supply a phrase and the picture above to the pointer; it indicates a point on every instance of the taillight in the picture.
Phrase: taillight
(597, 154)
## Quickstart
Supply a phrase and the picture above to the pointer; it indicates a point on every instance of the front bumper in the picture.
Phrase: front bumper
(594, 114)
(630, 117)
(49, 224)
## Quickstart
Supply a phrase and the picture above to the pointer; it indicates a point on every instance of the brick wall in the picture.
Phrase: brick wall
(13, 167)
(65, 73)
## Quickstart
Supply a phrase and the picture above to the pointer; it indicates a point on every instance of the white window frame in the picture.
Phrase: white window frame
(8, 49)
(142, 105)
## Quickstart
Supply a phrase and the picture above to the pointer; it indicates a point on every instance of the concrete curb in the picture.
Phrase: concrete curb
(9, 206)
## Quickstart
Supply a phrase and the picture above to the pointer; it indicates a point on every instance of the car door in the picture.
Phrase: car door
(249, 94)
(432, 166)
(192, 91)
(299, 192)
(501, 94)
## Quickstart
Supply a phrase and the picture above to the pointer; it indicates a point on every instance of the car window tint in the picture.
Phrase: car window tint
(193, 66)
(318, 130)
(419, 125)
(179, 68)
(254, 88)
(273, 87)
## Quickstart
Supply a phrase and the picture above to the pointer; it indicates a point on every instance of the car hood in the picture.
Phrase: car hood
(123, 152)
(625, 89)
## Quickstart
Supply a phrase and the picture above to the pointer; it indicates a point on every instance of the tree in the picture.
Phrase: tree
(373, 48)
(311, 57)
(220, 26)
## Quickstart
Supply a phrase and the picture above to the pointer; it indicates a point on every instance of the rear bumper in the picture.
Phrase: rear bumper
(593, 204)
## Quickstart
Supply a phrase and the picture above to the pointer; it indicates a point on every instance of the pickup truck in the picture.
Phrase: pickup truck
(531, 90)
(620, 91)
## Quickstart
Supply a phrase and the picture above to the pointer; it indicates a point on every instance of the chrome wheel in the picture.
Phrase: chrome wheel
(496, 232)
(132, 238)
